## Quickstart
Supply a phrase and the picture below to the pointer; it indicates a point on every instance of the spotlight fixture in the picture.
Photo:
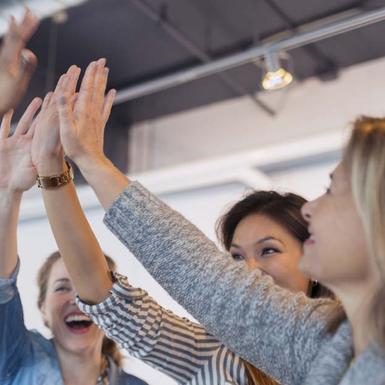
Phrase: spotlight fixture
(275, 77)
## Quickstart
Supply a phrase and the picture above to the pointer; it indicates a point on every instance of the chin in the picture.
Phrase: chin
(307, 267)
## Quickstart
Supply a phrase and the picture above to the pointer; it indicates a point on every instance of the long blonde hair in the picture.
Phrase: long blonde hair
(109, 347)
(364, 157)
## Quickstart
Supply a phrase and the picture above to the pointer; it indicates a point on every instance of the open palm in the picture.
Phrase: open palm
(82, 120)
(17, 172)
(17, 64)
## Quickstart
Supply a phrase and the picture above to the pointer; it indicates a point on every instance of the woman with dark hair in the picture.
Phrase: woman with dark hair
(271, 210)
(270, 239)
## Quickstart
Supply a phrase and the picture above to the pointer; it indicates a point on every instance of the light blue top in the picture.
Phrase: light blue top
(27, 357)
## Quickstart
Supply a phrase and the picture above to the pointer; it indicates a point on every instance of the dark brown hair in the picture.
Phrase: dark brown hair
(284, 209)
(109, 347)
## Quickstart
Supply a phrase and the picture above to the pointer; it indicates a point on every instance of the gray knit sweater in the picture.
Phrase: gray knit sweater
(283, 334)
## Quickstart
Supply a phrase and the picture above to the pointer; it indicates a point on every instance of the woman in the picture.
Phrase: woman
(78, 353)
(290, 337)
(265, 229)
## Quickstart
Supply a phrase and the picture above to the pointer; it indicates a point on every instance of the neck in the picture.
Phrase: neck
(80, 368)
(356, 301)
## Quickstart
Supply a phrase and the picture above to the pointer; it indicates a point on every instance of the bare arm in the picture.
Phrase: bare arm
(17, 174)
(76, 241)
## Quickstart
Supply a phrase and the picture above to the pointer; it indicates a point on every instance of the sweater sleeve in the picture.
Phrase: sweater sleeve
(176, 346)
(279, 332)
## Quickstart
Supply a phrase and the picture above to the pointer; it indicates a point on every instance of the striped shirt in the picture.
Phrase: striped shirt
(174, 345)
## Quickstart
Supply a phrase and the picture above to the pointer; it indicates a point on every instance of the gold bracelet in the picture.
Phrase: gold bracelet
(54, 181)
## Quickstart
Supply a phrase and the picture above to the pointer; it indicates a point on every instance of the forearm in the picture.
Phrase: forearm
(104, 178)
(77, 243)
(244, 309)
(9, 215)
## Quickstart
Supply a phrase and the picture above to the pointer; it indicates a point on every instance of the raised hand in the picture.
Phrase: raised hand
(82, 121)
(47, 151)
(17, 172)
(17, 64)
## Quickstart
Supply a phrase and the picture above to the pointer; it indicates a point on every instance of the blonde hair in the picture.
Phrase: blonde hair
(109, 347)
(364, 157)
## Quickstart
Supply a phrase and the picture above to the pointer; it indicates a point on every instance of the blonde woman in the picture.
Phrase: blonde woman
(78, 352)
(290, 337)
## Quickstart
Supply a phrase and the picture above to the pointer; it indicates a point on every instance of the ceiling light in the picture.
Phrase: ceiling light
(275, 77)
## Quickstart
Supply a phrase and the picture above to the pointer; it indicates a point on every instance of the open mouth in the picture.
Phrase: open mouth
(78, 323)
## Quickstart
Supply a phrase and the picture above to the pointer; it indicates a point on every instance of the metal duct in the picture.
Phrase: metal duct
(310, 35)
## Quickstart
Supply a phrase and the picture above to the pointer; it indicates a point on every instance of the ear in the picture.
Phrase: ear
(44, 314)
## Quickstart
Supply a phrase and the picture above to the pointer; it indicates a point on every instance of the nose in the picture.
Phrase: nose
(253, 264)
(72, 299)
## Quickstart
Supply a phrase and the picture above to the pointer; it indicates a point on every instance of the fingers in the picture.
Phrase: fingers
(28, 25)
(74, 99)
(100, 84)
(65, 113)
(46, 101)
(25, 121)
(86, 88)
(73, 74)
(108, 102)
(60, 85)
(16, 38)
(28, 64)
(6, 124)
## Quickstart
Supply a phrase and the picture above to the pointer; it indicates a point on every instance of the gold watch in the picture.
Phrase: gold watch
(53, 181)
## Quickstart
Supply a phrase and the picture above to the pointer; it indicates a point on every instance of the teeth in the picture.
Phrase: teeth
(77, 318)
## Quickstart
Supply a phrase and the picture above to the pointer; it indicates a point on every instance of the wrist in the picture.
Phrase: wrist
(8, 196)
(88, 164)
(51, 166)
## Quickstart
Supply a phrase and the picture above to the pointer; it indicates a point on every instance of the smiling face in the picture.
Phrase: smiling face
(336, 253)
(264, 244)
(72, 330)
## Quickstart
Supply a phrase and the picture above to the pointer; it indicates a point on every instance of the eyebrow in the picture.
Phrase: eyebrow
(66, 280)
(268, 238)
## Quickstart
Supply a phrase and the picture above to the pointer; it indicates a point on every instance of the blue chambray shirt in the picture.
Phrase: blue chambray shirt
(27, 357)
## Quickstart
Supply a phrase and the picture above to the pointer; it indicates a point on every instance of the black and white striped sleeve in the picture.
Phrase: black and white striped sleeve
(176, 346)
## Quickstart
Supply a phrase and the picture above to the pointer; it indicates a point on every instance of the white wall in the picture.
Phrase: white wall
(306, 109)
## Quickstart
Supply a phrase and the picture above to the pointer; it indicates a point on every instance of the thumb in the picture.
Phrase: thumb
(28, 64)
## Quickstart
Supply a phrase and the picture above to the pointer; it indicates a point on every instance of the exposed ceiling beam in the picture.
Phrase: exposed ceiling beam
(296, 40)
(183, 40)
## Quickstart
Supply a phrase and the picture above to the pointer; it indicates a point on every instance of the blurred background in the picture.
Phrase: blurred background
(215, 97)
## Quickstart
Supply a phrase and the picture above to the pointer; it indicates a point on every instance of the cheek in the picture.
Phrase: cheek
(286, 273)
(280, 268)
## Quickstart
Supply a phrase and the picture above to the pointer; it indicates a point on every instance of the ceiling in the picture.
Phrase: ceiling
(148, 39)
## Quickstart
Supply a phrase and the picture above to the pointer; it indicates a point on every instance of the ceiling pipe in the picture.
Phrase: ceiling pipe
(285, 44)
(193, 48)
